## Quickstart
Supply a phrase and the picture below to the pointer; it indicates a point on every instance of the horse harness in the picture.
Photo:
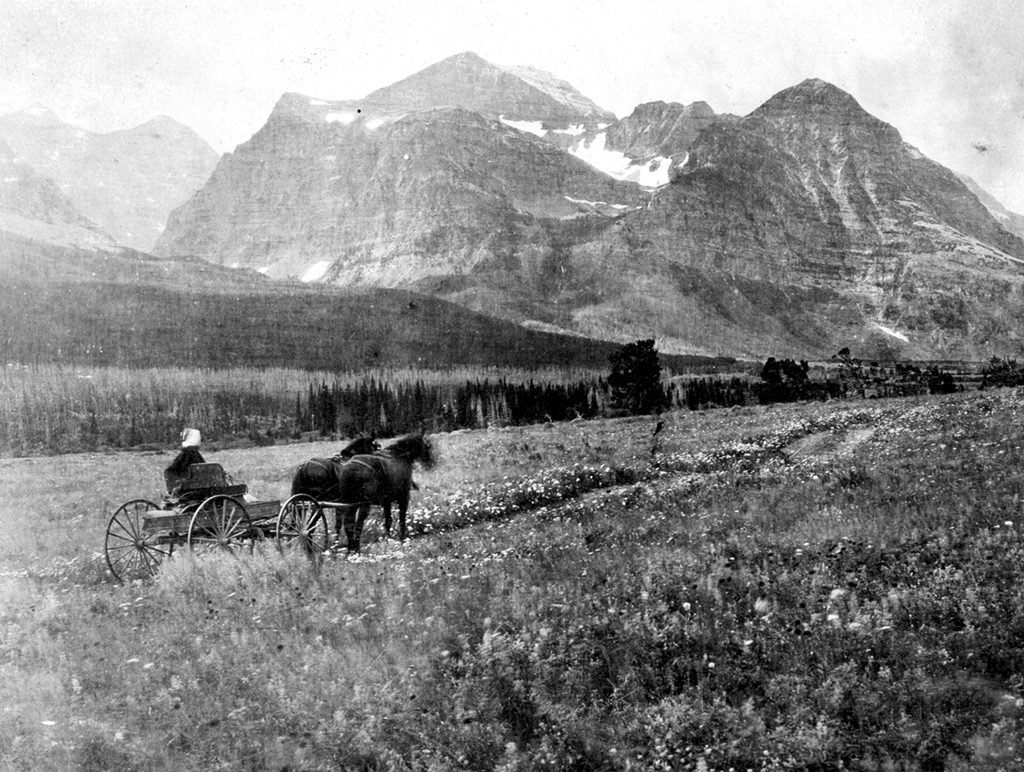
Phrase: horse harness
(344, 462)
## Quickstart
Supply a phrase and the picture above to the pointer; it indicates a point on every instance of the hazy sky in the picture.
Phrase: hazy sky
(949, 74)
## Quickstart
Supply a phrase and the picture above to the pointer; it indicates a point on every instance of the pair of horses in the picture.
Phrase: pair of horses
(362, 475)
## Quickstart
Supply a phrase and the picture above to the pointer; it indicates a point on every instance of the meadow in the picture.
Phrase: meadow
(808, 586)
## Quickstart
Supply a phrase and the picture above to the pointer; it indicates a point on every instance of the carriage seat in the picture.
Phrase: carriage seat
(203, 480)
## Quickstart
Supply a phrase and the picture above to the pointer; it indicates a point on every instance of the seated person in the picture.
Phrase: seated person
(188, 455)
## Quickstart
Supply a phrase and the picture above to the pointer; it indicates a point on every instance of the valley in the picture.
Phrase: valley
(805, 557)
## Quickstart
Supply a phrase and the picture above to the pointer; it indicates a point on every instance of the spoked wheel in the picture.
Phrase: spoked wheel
(301, 524)
(131, 552)
(220, 523)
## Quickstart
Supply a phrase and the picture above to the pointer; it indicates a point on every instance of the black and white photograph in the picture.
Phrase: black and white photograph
(538, 386)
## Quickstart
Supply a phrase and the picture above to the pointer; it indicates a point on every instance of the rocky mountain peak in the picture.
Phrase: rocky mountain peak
(699, 109)
(470, 81)
(813, 97)
(164, 126)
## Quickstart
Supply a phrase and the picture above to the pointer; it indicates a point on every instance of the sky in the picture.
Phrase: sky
(949, 74)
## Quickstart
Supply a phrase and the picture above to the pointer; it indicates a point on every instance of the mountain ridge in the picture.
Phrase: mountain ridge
(126, 181)
(715, 221)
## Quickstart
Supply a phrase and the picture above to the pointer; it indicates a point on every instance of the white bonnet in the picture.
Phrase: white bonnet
(190, 438)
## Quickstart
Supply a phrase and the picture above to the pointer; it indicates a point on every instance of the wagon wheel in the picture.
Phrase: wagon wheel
(220, 523)
(301, 523)
(131, 552)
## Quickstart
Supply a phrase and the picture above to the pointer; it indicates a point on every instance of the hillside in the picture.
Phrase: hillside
(131, 309)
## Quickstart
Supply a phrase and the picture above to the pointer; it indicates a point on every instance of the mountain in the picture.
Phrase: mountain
(380, 192)
(806, 226)
(32, 206)
(808, 223)
(125, 181)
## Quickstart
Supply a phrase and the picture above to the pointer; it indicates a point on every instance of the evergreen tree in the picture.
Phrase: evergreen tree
(635, 379)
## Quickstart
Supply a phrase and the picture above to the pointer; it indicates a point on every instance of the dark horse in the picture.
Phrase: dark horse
(318, 477)
(383, 477)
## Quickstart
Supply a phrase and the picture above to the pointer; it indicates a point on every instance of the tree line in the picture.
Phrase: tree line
(386, 409)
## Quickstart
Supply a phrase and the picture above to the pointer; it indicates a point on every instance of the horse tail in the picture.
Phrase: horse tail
(313, 477)
(299, 484)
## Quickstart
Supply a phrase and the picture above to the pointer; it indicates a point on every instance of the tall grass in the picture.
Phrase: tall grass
(808, 587)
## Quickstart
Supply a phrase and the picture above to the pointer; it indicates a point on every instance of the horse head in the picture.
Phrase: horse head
(414, 449)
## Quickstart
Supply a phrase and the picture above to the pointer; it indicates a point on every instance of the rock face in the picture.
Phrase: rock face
(801, 228)
(810, 222)
(125, 181)
(808, 187)
(360, 193)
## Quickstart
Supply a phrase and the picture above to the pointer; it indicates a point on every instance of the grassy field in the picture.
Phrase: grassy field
(819, 586)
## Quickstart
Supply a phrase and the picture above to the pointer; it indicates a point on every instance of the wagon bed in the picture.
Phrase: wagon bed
(161, 521)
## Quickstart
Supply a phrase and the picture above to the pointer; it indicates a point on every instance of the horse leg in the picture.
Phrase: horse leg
(341, 519)
(354, 526)
(403, 507)
(346, 519)
(387, 519)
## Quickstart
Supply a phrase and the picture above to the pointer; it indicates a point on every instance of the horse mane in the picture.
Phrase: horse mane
(413, 447)
(360, 445)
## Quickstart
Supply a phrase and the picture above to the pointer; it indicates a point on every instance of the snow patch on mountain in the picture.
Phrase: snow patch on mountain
(531, 127)
(340, 117)
(316, 271)
(893, 333)
(650, 174)
(595, 203)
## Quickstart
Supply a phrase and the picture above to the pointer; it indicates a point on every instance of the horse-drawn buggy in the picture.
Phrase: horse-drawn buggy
(208, 511)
